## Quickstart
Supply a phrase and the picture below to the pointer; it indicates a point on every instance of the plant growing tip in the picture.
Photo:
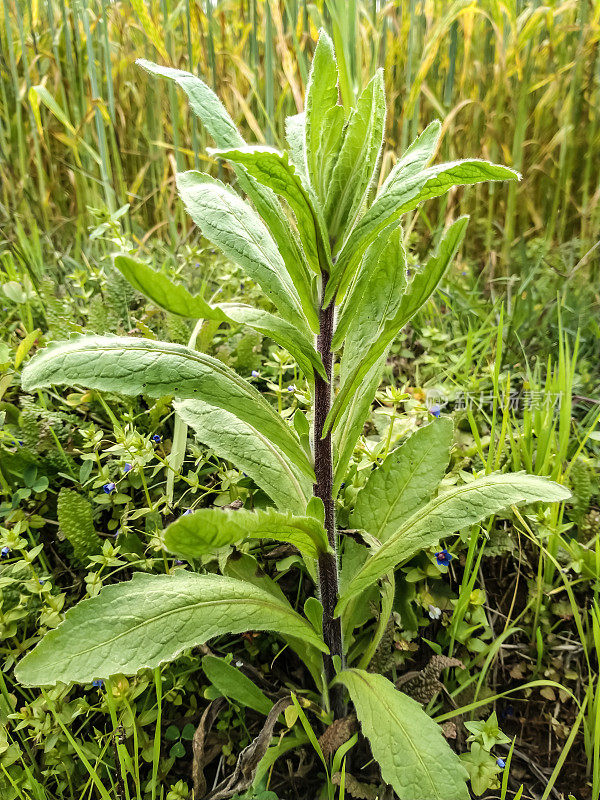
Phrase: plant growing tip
(315, 238)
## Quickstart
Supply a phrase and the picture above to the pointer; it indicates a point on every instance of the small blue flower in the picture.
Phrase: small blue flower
(98, 683)
(443, 558)
(20, 442)
(291, 388)
(255, 373)
(109, 487)
(4, 553)
(501, 763)
(42, 581)
(435, 410)
(187, 511)
(178, 562)
(157, 438)
(127, 468)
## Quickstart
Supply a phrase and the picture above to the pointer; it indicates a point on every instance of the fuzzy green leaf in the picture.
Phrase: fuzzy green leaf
(273, 169)
(410, 748)
(232, 225)
(149, 620)
(233, 684)
(354, 170)
(240, 442)
(294, 136)
(321, 96)
(452, 511)
(405, 481)
(158, 288)
(405, 193)
(158, 369)
(209, 109)
(417, 293)
(193, 535)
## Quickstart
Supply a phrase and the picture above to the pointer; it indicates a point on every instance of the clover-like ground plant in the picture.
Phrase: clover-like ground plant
(328, 251)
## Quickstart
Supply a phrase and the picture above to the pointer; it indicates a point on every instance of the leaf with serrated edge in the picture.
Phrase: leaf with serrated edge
(410, 748)
(158, 369)
(233, 226)
(452, 511)
(417, 293)
(406, 479)
(405, 195)
(149, 620)
(193, 535)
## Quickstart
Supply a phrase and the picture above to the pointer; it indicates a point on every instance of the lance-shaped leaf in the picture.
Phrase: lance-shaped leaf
(352, 420)
(209, 109)
(321, 96)
(233, 684)
(230, 224)
(404, 194)
(193, 535)
(379, 291)
(354, 169)
(242, 443)
(163, 292)
(151, 619)
(417, 156)
(158, 369)
(294, 136)
(273, 169)
(452, 511)
(406, 480)
(417, 293)
(177, 300)
(410, 748)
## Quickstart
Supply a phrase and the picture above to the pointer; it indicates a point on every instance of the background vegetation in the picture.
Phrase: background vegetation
(88, 148)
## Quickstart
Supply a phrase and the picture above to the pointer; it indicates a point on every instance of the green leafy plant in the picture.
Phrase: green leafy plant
(328, 251)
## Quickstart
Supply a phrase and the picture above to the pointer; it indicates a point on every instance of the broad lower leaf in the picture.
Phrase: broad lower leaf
(406, 480)
(193, 535)
(358, 158)
(233, 684)
(321, 96)
(416, 294)
(273, 169)
(453, 511)
(158, 369)
(163, 292)
(410, 748)
(211, 112)
(230, 224)
(404, 194)
(149, 620)
(240, 442)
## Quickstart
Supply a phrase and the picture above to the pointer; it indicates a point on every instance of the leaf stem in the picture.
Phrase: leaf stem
(323, 488)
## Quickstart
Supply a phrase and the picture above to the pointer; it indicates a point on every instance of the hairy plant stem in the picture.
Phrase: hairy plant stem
(323, 488)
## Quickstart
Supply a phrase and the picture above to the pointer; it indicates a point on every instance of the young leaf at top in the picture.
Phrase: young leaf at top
(193, 535)
(230, 224)
(211, 112)
(354, 170)
(240, 442)
(152, 619)
(159, 369)
(410, 748)
(452, 511)
(405, 481)
(321, 96)
(417, 293)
